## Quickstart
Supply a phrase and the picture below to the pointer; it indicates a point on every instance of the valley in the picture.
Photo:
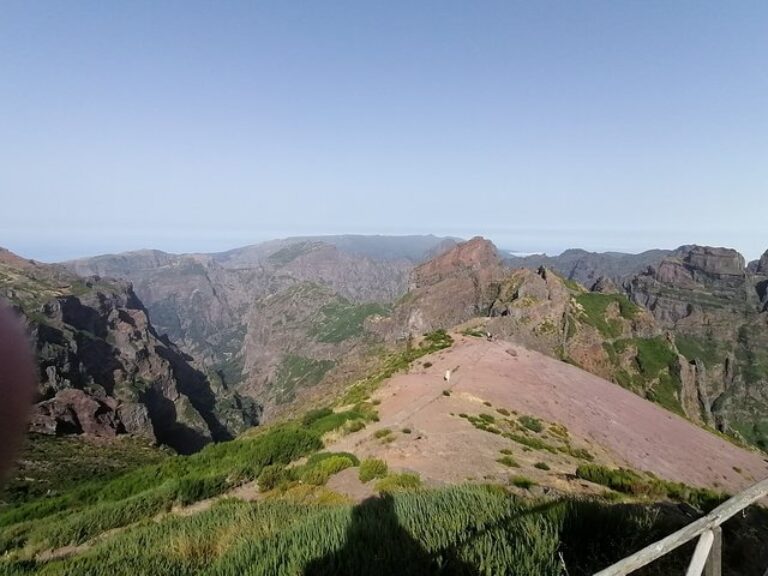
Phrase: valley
(241, 404)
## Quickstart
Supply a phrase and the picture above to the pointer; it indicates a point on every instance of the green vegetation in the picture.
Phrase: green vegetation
(317, 471)
(78, 514)
(542, 466)
(648, 486)
(298, 372)
(522, 429)
(474, 332)
(49, 466)
(503, 411)
(508, 461)
(657, 371)
(522, 482)
(394, 363)
(371, 468)
(533, 424)
(383, 433)
(342, 320)
(595, 312)
(694, 348)
(399, 482)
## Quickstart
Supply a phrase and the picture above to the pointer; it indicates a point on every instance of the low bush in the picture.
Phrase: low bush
(508, 461)
(371, 468)
(398, 482)
(522, 482)
(542, 466)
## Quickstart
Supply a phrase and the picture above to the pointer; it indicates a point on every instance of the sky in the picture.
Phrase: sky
(201, 126)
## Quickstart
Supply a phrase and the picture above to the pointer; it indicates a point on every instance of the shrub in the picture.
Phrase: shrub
(371, 468)
(383, 433)
(427, 364)
(406, 430)
(272, 476)
(446, 392)
(193, 488)
(533, 424)
(317, 473)
(355, 426)
(397, 482)
(508, 461)
(502, 411)
(522, 482)
(542, 466)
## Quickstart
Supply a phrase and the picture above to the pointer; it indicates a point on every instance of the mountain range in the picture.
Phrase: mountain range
(603, 385)
(266, 323)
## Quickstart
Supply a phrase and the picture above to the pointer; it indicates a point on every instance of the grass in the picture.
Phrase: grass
(533, 424)
(595, 312)
(508, 461)
(393, 363)
(398, 482)
(648, 486)
(371, 468)
(542, 466)
(79, 514)
(342, 320)
(522, 482)
(48, 466)
(297, 372)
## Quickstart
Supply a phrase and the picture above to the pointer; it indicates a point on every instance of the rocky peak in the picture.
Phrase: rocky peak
(475, 255)
(761, 266)
(715, 262)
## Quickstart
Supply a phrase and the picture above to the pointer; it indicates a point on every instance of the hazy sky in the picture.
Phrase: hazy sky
(543, 125)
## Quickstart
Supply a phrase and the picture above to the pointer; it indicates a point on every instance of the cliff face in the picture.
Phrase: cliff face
(715, 308)
(103, 369)
(271, 319)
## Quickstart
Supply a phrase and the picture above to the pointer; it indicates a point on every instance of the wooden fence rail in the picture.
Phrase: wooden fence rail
(707, 556)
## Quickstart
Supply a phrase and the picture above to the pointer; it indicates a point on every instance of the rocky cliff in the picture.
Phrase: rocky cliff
(715, 308)
(104, 370)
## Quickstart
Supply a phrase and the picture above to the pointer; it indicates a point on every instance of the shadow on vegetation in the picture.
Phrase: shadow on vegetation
(376, 544)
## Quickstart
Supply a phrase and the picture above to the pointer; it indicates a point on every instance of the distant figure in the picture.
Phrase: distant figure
(447, 376)
(489, 336)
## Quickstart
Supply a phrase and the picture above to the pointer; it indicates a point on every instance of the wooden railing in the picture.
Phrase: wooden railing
(707, 556)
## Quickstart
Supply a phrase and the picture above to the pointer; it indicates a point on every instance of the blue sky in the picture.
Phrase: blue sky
(544, 125)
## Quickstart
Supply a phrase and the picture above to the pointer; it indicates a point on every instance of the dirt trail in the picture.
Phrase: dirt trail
(614, 424)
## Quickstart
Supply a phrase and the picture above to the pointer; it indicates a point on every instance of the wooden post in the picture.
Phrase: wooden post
(658, 549)
(714, 565)
(701, 554)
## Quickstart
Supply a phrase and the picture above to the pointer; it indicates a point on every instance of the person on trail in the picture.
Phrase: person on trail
(447, 376)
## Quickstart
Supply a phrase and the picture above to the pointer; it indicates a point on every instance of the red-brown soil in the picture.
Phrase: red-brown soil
(618, 427)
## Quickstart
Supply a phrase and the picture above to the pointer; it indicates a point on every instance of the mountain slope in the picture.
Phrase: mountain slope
(509, 383)
(104, 370)
(715, 308)
(214, 305)
(586, 268)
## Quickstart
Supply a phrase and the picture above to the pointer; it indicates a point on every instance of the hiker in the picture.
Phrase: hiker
(447, 376)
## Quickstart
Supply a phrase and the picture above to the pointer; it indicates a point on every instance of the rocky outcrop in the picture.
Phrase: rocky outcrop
(103, 370)
(588, 267)
(716, 308)
(455, 286)
(604, 285)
